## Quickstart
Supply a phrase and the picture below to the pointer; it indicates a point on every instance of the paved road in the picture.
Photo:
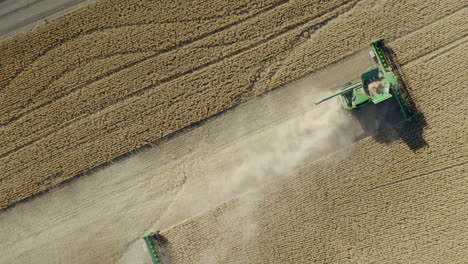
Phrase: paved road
(99, 217)
(21, 15)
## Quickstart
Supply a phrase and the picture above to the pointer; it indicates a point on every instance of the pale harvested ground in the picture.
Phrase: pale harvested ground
(434, 25)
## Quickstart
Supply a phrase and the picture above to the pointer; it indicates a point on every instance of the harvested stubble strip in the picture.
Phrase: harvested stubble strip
(382, 203)
(163, 109)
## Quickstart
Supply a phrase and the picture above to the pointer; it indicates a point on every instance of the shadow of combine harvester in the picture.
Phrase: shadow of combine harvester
(381, 102)
(385, 121)
(385, 125)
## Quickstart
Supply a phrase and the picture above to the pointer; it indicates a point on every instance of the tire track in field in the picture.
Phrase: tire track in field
(93, 30)
(179, 75)
(312, 30)
(128, 65)
(417, 176)
(446, 18)
(101, 29)
(447, 48)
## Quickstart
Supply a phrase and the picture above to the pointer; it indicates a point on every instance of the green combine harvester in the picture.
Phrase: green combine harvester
(379, 84)
(150, 240)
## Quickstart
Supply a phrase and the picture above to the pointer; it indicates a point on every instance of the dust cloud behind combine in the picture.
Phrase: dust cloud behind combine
(271, 155)
(281, 149)
(265, 150)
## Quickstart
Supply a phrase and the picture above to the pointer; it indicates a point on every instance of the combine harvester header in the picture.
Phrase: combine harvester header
(150, 239)
(380, 83)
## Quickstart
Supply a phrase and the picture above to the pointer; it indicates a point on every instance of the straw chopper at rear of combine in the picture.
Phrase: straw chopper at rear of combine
(378, 84)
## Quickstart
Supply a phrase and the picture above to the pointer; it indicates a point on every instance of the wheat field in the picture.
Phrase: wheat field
(113, 76)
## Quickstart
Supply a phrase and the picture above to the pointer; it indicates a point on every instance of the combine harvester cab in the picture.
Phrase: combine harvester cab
(379, 84)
